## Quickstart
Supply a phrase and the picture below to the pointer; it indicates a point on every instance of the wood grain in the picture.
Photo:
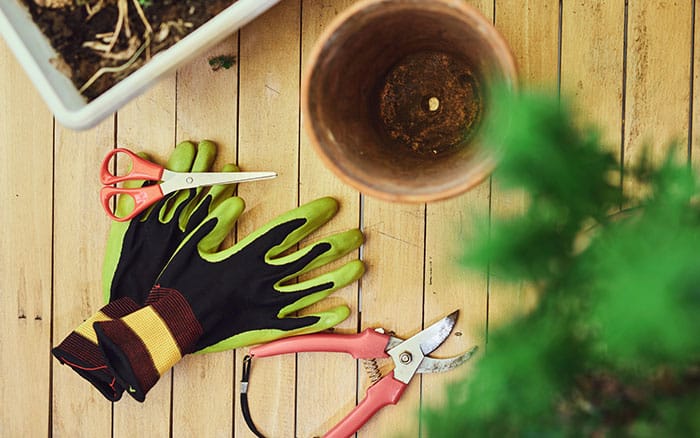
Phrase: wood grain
(592, 64)
(448, 286)
(207, 103)
(268, 139)
(531, 28)
(392, 296)
(658, 78)
(79, 253)
(148, 124)
(326, 383)
(26, 143)
(53, 243)
(532, 31)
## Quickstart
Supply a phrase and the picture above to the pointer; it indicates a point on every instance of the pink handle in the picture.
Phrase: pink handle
(140, 168)
(387, 391)
(143, 198)
(366, 345)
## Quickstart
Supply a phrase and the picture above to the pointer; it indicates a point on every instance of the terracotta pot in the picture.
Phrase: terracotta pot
(395, 93)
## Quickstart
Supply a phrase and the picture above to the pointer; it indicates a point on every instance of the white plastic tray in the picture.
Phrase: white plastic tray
(71, 109)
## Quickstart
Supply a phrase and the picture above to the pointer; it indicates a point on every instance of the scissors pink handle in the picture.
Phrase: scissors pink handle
(143, 198)
(140, 168)
(386, 392)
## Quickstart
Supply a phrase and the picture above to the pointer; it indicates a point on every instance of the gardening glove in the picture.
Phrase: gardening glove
(217, 300)
(136, 253)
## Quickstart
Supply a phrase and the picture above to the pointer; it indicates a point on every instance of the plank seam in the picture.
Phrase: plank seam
(623, 127)
(237, 144)
(691, 105)
(53, 268)
(559, 45)
(295, 411)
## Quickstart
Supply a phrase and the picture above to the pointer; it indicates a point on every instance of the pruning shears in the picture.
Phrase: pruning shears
(410, 356)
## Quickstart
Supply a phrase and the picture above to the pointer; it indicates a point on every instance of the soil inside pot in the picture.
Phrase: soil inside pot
(100, 42)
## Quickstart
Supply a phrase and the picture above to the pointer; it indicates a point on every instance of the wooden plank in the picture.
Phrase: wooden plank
(532, 31)
(658, 78)
(531, 28)
(392, 296)
(592, 63)
(449, 286)
(268, 139)
(207, 109)
(148, 124)
(326, 383)
(26, 142)
(80, 230)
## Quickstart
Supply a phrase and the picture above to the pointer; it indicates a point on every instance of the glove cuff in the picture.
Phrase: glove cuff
(80, 352)
(143, 345)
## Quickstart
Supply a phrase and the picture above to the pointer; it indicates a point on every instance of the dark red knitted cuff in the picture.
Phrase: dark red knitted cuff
(140, 347)
(84, 356)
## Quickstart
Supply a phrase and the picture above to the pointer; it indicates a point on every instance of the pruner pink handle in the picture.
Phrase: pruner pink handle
(366, 345)
(387, 391)
(140, 168)
(143, 198)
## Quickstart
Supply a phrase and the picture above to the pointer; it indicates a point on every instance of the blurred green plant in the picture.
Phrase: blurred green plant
(612, 346)
(222, 61)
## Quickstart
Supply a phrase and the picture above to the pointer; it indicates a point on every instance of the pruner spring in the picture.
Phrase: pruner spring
(372, 369)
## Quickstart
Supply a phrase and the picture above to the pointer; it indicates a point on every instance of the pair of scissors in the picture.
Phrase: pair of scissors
(409, 356)
(166, 181)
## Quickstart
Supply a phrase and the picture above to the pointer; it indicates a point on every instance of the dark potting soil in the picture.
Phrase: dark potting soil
(69, 28)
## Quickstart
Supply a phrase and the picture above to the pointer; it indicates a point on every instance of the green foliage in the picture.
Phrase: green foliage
(612, 346)
(567, 176)
(222, 61)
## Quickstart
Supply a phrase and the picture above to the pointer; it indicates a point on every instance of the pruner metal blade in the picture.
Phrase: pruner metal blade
(431, 365)
(433, 336)
(409, 354)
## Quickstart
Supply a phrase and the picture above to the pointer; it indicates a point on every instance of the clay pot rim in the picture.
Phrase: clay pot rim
(482, 169)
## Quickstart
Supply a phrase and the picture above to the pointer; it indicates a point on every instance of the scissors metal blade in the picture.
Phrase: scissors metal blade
(431, 365)
(203, 179)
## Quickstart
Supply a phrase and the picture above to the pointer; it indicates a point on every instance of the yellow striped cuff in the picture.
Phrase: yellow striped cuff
(156, 336)
(85, 329)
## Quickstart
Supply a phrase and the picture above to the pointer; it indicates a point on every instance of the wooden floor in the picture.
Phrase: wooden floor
(631, 69)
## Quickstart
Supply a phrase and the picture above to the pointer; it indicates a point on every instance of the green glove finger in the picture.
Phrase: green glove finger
(340, 244)
(327, 319)
(226, 214)
(315, 214)
(182, 157)
(206, 154)
(338, 278)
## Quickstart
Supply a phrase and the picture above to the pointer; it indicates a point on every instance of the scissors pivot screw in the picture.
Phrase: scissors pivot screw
(405, 357)
(189, 180)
